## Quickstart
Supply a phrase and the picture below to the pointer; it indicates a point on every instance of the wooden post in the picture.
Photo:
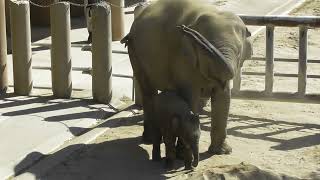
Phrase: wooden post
(101, 53)
(61, 66)
(117, 19)
(269, 59)
(303, 50)
(3, 50)
(21, 47)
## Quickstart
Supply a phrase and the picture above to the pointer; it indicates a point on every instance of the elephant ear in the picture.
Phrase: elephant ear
(218, 64)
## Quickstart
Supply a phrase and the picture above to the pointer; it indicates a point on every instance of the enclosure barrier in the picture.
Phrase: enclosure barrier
(61, 65)
(21, 47)
(101, 53)
(304, 23)
(3, 50)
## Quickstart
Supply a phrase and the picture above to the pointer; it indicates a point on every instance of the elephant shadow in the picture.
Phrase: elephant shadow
(115, 159)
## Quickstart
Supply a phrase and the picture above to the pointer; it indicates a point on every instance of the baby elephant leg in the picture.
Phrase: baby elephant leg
(170, 151)
(156, 152)
(187, 158)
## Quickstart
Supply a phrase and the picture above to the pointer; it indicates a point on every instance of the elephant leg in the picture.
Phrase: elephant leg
(187, 158)
(220, 104)
(179, 149)
(170, 151)
(148, 114)
(156, 152)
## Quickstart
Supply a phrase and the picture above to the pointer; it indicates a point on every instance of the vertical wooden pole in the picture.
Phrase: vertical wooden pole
(61, 66)
(101, 53)
(3, 50)
(303, 50)
(117, 19)
(21, 47)
(269, 59)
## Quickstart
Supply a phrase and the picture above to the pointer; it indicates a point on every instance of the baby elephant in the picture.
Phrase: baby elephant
(174, 119)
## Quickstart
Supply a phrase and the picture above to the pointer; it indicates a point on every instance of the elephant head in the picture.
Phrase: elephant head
(217, 45)
(189, 129)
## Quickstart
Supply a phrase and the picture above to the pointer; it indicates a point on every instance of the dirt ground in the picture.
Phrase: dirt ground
(271, 139)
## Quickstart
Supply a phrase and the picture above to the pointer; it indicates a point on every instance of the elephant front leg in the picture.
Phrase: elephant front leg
(220, 104)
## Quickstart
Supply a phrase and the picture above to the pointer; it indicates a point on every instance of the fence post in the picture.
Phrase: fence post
(61, 66)
(303, 50)
(269, 59)
(21, 47)
(117, 19)
(3, 50)
(101, 53)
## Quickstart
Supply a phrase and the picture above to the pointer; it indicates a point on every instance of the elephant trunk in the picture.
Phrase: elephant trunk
(195, 151)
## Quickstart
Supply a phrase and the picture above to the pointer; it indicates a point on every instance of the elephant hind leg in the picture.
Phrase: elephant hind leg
(147, 103)
(220, 104)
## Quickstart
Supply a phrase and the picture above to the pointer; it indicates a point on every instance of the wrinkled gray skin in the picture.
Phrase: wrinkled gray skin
(174, 119)
(190, 46)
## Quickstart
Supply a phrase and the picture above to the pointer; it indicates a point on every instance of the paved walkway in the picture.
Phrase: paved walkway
(40, 123)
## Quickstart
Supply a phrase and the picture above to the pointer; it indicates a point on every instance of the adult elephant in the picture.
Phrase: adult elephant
(191, 47)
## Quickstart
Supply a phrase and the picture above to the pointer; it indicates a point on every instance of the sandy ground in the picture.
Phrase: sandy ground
(275, 136)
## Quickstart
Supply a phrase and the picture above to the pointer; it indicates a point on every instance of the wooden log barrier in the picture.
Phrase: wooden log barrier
(3, 50)
(21, 47)
(303, 49)
(117, 19)
(269, 59)
(101, 53)
(61, 66)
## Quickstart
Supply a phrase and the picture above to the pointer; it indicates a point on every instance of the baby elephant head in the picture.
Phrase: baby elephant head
(189, 131)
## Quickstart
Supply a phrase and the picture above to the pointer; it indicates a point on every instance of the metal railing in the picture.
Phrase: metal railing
(270, 22)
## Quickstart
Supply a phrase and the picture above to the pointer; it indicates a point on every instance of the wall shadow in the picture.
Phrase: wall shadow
(306, 140)
(49, 105)
(116, 159)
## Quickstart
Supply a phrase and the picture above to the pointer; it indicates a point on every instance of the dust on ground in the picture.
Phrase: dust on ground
(267, 136)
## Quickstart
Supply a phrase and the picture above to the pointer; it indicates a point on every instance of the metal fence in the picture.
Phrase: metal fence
(270, 22)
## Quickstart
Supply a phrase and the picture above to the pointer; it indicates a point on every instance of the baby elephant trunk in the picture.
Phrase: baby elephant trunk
(195, 151)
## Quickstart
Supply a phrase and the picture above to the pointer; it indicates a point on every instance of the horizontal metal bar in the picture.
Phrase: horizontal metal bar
(315, 61)
(122, 76)
(278, 74)
(288, 21)
(275, 96)
(129, 12)
(119, 52)
(81, 69)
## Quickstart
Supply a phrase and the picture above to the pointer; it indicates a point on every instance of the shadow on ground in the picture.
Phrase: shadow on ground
(50, 109)
(306, 140)
(115, 159)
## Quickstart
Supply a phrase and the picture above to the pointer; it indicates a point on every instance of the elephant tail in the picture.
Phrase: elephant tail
(125, 40)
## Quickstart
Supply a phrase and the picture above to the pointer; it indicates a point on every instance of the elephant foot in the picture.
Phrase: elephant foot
(169, 164)
(146, 138)
(224, 148)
